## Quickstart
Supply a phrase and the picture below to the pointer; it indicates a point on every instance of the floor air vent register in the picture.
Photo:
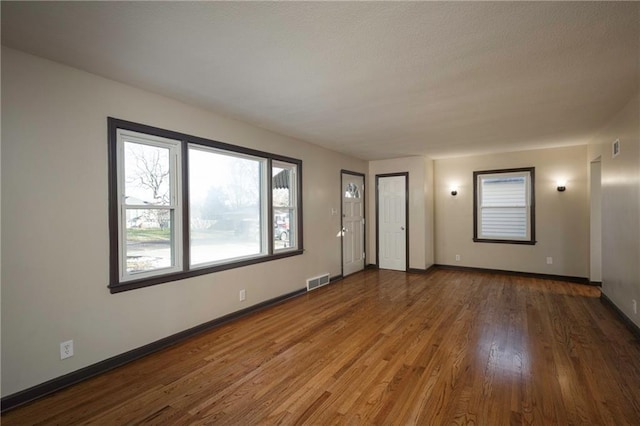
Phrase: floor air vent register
(319, 281)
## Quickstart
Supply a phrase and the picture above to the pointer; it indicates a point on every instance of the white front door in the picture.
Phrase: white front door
(392, 222)
(352, 223)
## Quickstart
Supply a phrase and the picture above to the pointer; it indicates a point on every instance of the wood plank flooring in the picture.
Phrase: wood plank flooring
(383, 347)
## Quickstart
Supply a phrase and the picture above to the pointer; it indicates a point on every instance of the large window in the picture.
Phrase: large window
(504, 206)
(182, 206)
(226, 206)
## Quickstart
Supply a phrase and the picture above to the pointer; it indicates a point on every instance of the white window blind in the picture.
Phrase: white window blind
(504, 206)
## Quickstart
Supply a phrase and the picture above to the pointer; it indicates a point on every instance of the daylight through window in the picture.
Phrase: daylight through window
(225, 206)
(182, 206)
(148, 215)
(284, 205)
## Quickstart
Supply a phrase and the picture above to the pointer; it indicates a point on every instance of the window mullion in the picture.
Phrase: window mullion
(270, 207)
(175, 213)
(186, 218)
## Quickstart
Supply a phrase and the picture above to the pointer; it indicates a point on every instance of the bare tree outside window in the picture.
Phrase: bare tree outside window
(147, 186)
(151, 172)
(148, 179)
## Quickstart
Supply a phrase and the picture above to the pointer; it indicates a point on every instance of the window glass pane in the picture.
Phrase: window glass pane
(352, 191)
(225, 204)
(148, 239)
(281, 182)
(147, 174)
(282, 229)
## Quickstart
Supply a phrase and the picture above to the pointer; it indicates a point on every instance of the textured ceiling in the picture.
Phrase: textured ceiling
(371, 79)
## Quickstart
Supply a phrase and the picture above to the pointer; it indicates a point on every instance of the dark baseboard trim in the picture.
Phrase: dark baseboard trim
(25, 396)
(580, 280)
(422, 271)
(336, 278)
(623, 317)
(596, 283)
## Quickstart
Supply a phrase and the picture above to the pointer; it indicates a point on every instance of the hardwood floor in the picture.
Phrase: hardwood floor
(383, 347)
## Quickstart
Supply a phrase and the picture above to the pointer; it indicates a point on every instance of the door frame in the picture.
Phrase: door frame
(406, 213)
(595, 204)
(364, 216)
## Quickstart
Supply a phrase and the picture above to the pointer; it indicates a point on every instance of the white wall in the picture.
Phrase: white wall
(429, 210)
(55, 242)
(562, 224)
(418, 237)
(621, 207)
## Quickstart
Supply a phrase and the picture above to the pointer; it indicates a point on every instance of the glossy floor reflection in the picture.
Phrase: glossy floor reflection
(384, 347)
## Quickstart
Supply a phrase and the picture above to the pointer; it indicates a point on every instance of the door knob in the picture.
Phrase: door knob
(402, 228)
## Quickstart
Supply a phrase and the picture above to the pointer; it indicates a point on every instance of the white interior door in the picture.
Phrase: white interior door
(392, 232)
(352, 223)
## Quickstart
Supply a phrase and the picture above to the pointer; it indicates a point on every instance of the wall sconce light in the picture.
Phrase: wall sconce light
(562, 185)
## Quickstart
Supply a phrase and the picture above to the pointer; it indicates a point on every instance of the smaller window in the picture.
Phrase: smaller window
(504, 206)
(352, 191)
(149, 213)
(285, 214)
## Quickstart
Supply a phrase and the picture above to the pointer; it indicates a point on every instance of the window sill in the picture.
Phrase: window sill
(520, 242)
(119, 287)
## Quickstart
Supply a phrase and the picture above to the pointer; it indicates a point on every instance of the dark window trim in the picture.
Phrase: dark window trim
(270, 249)
(299, 236)
(115, 286)
(532, 207)
(406, 214)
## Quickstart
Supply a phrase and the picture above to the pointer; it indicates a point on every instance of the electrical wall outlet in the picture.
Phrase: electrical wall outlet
(457, 258)
(549, 260)
(243, 295)
(634, 304)
(66, 349)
